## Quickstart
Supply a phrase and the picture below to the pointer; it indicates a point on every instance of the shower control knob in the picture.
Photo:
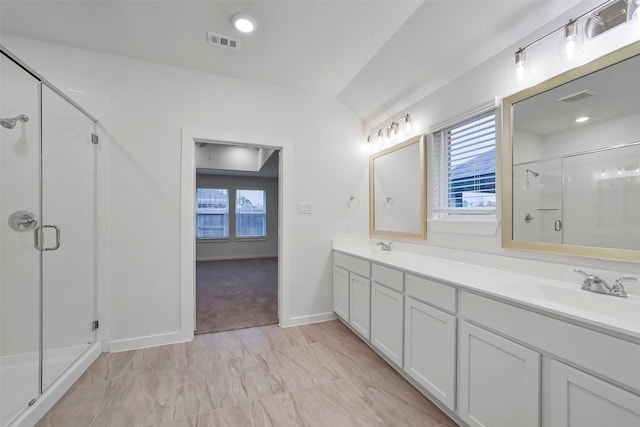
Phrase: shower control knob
(23, 221)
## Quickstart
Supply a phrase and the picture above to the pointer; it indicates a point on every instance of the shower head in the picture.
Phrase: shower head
(11, 123)
(534, 173)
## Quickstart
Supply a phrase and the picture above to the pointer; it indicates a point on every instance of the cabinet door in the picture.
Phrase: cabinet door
(430, 349)
(387, 322)
(581, 400)
(341, 292)
(499, 380)
(360, 304)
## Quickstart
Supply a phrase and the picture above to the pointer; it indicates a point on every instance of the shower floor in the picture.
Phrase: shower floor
(19, 376)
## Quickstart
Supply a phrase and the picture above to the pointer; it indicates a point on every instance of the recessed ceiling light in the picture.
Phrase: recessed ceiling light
(244, 23)
(582, 119)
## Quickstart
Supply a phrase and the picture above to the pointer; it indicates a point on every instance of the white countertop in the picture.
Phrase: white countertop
(621, 315)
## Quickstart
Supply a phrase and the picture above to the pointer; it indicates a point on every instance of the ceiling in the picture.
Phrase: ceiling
(370, 54)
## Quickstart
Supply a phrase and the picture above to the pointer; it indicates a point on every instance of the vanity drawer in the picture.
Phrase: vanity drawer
(388, 277)
(353, 264)
(431, 292)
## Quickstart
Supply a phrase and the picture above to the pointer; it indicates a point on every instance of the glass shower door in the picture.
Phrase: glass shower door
(68, 235)
(19, 259)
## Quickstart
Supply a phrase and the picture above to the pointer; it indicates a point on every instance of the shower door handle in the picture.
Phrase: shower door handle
(37, 238)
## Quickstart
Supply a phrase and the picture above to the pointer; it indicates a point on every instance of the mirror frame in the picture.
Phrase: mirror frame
(373, 233)
(507, 162)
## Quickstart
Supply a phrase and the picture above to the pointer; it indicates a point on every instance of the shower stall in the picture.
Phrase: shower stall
(48, 242)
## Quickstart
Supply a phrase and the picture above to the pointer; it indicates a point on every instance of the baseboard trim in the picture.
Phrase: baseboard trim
(305, 320)
(149, 341)
(232, 257)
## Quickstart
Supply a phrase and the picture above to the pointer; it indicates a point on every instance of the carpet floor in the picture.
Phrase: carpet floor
(236, 294)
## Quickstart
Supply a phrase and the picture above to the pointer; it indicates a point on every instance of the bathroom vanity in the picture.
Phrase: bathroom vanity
(492, 347)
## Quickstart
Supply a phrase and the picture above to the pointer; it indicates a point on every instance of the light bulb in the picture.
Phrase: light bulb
(570, 48)
(520, 71)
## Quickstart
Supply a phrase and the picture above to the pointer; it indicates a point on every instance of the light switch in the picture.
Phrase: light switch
(304, 208)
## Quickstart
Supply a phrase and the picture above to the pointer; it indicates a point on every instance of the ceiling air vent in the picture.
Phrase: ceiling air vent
(224, 41)
(578, 96)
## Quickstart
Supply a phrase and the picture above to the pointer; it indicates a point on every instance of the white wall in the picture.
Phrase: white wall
(232, 248)
(142, 108)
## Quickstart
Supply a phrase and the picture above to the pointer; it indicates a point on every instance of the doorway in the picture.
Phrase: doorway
(236, 234)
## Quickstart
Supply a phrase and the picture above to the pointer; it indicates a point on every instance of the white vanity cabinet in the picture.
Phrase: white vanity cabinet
(387, 305)
(499, 380)
(484, 357)
(430, 337)
(574, 393)
(578, 399)
(352, 291)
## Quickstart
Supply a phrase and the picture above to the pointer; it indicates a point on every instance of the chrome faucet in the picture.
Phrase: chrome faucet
(384, 246)
(594, 283)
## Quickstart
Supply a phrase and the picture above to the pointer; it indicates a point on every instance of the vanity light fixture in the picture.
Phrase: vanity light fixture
(244, 23)
(582, 119)
(571, 36)
(392, 130)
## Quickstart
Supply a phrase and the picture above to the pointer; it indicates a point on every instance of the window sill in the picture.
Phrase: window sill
(477, 227)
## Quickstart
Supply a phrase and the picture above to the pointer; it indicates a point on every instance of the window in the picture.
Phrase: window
(465, 168)
(251, 216)
(212, 213)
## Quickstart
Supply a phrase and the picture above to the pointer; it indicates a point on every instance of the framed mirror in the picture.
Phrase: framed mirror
(397, 193)
(571, 161)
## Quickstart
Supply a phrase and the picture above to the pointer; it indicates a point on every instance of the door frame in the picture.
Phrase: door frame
(191, 137)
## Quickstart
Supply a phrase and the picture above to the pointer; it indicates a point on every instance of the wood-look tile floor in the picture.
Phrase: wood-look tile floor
(312, 375)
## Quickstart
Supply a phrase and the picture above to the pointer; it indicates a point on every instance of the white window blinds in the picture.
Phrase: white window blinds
(465, 167)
